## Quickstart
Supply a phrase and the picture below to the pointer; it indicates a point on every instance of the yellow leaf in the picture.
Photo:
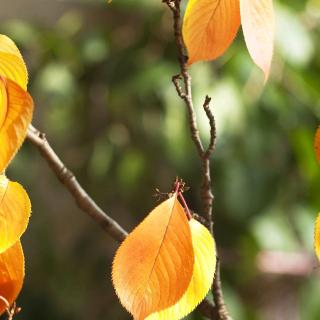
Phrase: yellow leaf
(153, 267)
(12, 65)
(317, 237)
(257, 19)
(317, 144)
(11, 274)
(15, 209)
(209, 27)
(202, 278)
(3, 102)
(17, 119)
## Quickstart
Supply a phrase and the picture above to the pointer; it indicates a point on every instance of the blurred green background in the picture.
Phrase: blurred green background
(100, 77)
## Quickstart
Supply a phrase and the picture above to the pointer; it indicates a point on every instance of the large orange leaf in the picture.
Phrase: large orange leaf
(153, 267)
(12, 65)
(317, 144)
(11, 274)
(17, 119)
(209, 27)
(202, 278)
(257, 19)
(15, 209)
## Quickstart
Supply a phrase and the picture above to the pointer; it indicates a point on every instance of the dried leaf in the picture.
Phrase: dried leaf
(15, 209)
(153, 267)
(12, 65)
(209, 27)
(202, 278)
(257, 19)
(11, 274)
(17, 119)
(317, 144)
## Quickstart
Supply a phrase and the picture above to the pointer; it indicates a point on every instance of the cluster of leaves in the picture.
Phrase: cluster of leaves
(166, 266)
(210, 27)
(16, 108)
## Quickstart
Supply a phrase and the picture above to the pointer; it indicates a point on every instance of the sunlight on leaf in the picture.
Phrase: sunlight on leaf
(202, 278)
(12, 65)
(257, 19)
(209, 27)
(15, 210)
(16, 122)
(153, 267)
(11, 274)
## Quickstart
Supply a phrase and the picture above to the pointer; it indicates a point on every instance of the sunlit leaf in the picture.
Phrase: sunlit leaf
(317, 144)
(153, 267)
(317, 237)
(209, 27)
(12, 65)
(3, 102)
(257, 19)
(202, 278)
(15, 209)
(16, 122)
(11, 274)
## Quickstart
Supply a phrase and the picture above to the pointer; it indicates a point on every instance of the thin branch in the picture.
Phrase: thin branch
(220, 310)
(67, 178)
(83, 200)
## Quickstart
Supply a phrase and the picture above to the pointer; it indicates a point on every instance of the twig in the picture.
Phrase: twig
(185, 93)
(83, 200)
(67, 178)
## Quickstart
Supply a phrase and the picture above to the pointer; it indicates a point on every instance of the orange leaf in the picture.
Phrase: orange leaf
(153, 267)
(257, 19)
(209, 27)
(317, 144)
(11, 274)
(17, 119)
(12, 65)
(15, 209)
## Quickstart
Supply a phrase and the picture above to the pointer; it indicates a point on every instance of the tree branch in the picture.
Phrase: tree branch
(67, 178)
(83, 200)
(184, 91)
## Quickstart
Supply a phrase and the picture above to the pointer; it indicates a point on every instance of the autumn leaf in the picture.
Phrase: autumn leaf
(15, 120)
(15, 209)
(317, 144)
(257, 19)
(209, 27)
(153, 267)
(202, 278)
(11, 274)
(12, 65)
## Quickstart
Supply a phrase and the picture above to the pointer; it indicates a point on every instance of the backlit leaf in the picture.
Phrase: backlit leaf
(317, 144)
(317, 237)
(15, 209)
(11, 274)
(12, 65)
(17, 119)
(257, 19)
(209, 27)
(3, 102)
(202, 278)
(153, 267)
